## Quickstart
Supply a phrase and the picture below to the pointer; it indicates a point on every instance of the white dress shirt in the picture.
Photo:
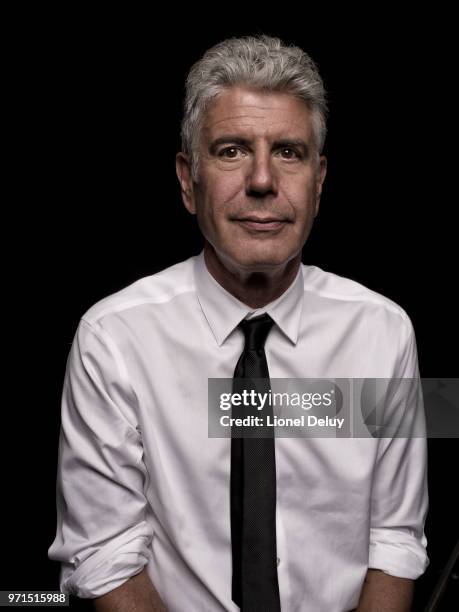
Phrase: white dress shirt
(141, 483)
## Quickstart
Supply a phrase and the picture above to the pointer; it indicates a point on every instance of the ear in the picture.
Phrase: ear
(322, 172)
(183, 169)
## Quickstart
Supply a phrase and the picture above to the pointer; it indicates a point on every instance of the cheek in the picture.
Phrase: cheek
(220, 198)
(212, 211)
(303, 202)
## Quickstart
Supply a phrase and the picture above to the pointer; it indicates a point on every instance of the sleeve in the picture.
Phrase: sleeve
(103, 535)
(399, 495)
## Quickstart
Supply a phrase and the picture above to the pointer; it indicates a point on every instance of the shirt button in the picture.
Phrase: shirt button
(277, 560)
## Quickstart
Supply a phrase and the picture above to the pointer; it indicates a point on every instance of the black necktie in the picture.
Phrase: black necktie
(253, 483)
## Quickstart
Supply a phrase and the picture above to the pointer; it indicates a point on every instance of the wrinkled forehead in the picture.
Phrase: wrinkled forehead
(257, 114)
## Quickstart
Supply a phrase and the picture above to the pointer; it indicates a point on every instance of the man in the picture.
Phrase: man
(150, 508)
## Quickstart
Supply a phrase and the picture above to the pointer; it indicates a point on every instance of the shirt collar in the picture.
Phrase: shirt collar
(224, 312)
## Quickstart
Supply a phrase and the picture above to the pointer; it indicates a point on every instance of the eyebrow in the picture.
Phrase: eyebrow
(227, 139)
(277, 144)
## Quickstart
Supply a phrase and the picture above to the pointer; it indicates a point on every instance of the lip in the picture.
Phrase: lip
(261, 224)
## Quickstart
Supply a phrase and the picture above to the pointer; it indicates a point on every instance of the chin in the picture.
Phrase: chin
(261, 261)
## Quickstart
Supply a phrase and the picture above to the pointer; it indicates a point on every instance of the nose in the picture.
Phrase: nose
(261, 179)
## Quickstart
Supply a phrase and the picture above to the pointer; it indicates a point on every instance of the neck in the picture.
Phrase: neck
(256, 288)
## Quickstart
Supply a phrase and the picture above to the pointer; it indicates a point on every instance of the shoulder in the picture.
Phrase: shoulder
(344, 292)
(366, 322)
(160, 288)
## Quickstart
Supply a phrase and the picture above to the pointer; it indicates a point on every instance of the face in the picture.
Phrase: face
(260, 179)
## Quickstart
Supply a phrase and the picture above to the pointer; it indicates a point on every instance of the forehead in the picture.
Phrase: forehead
(239, 110)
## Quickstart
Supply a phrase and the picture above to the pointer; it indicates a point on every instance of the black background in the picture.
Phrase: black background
(93, 204)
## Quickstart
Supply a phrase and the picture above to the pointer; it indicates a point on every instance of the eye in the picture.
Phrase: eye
(289, 153)
(230, 153)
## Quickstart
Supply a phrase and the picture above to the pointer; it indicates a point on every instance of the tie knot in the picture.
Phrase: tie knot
(256, 331)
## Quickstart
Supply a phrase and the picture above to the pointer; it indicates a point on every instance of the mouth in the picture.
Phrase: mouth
(261, 224)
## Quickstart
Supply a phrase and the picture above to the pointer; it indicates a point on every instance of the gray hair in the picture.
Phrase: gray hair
(263, 63)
